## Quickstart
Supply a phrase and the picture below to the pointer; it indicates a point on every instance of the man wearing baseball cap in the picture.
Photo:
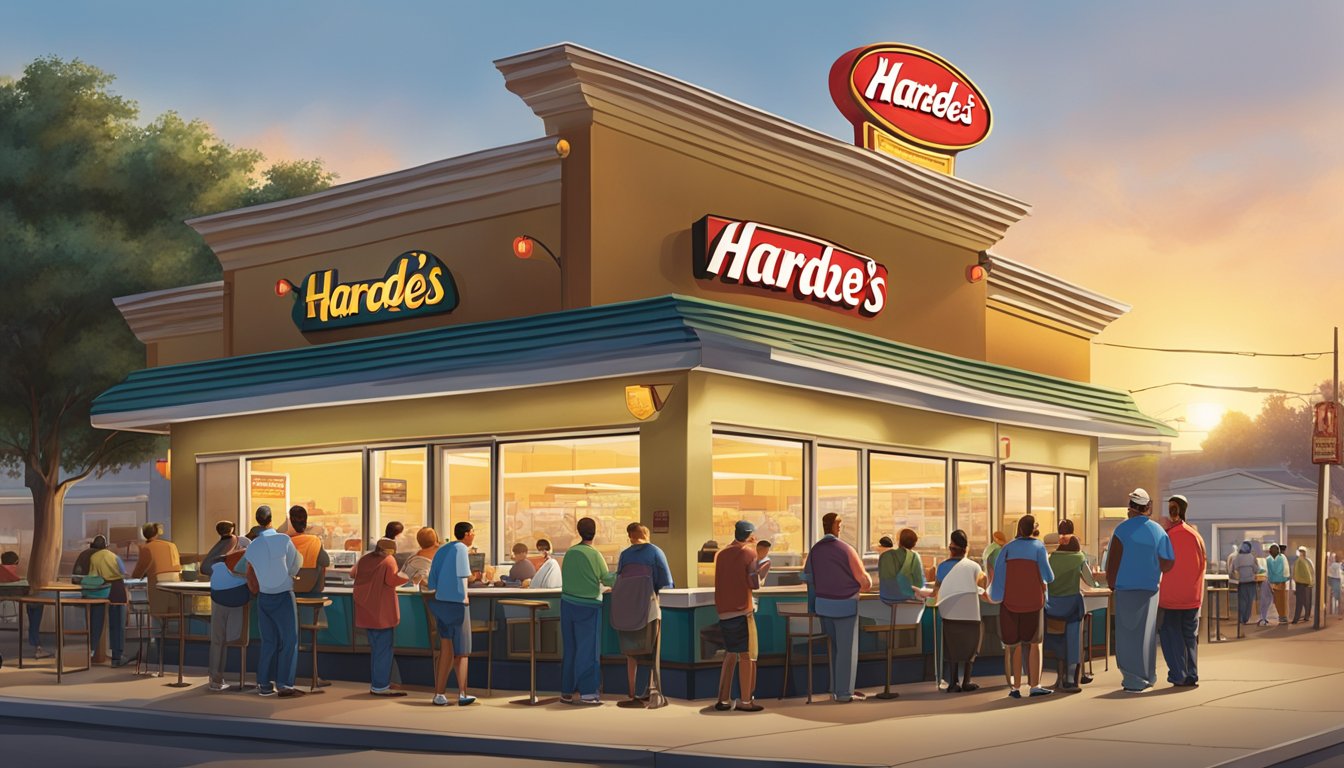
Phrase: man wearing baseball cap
(1181, 594)
(735, 577)
(1140, 553)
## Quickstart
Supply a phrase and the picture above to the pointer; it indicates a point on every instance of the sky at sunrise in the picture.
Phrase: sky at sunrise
(1181, 157)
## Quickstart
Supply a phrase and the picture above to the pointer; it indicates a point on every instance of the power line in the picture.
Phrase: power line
(1303, 355)
(1256, 390)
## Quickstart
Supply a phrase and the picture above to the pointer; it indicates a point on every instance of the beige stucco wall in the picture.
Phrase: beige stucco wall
(1015, 339)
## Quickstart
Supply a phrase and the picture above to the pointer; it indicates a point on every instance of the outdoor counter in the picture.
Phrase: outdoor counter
(689, 654)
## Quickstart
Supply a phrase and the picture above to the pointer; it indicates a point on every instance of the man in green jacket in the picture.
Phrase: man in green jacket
(583, 572)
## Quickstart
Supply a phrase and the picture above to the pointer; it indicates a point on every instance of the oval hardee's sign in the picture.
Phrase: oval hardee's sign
(416, 283)
(912, 94)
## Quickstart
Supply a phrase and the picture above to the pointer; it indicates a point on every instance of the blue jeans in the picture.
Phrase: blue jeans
(1180, 644)
(1245, 601)
(35, 625)
(279, 620)
(581, 629)
(1136, 637)
(116, 631)
(844, 634)
(380, 658)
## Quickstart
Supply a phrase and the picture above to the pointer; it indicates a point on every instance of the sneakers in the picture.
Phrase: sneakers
(1014, 694)
(467, 701)
(954, 688)
(860, 695)
(291, 693)
(266, 691)
(440, 700)
(1263, 623)
(386, 692)
(584, 701)
(41, 653)
(217, 687)
(1134, 690)
(1039, 691)
(565, 698)
(968, 687)
(1283, 620)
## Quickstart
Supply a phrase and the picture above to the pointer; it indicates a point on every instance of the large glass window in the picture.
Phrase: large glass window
(548, 485)
(397, 484)
(465, 483)
(1014, 500)
(973, 507)
(329, 485)
(761, 480)
(1075, 506)
(838, 492)
(217, 487)
(908, 492)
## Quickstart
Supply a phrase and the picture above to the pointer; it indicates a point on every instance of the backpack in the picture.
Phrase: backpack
(95, 587)
(633, 600)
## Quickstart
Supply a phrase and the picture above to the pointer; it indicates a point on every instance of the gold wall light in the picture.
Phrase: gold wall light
(644, 400)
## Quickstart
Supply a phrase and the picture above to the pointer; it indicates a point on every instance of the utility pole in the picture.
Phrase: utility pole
(1323, 510)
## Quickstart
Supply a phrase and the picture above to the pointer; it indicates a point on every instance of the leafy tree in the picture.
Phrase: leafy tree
(91, 208)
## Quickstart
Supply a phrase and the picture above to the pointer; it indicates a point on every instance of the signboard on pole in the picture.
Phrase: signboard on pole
(1325, 444)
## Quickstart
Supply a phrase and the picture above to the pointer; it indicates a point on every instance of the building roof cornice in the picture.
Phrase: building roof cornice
(568, 86)
(530, 169)
(1027, 288)
(189, 309)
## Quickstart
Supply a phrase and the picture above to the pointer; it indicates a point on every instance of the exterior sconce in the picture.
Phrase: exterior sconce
(644, 400)
(525, 245)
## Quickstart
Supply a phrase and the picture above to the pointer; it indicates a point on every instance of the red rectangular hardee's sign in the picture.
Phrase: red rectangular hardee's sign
(799, 266)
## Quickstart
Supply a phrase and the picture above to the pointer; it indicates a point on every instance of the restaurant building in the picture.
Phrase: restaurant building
(725, 315)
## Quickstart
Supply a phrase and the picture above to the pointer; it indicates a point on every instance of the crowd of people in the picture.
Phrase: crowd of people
(1155, 572)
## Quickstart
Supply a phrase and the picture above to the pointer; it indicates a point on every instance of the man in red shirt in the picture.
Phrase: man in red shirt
(734, 579)
(1180, 596)
(377, 612)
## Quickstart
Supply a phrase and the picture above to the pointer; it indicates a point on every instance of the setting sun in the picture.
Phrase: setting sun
(1204, 416)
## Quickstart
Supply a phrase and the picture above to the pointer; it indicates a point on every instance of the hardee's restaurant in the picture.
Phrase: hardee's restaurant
(724, 316)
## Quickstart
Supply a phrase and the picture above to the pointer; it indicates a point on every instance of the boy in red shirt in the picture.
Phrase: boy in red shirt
(377, 612)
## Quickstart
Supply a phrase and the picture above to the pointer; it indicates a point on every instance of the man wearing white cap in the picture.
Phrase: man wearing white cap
(1180, 596)
(1140, 553)
(1304, 574)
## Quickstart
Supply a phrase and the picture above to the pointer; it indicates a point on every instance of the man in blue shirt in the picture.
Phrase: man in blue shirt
(274, 562)
(641, 559)
(1140, 553)
(448, 575)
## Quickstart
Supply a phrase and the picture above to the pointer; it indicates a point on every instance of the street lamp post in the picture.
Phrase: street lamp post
(1323, 510)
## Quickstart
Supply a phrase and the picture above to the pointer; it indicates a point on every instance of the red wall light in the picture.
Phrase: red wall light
(522, 247)
(975, 273)
(283, 287)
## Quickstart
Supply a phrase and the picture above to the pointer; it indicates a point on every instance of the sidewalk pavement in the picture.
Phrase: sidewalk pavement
(1280, 685)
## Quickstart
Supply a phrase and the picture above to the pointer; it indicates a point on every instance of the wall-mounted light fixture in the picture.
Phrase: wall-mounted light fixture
(644, 400)
(164, 466)
(980, 269)
(525, 245)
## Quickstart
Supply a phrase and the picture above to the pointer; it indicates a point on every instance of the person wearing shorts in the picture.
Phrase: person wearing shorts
(1021, 573)
(735, 577)
(448, 575)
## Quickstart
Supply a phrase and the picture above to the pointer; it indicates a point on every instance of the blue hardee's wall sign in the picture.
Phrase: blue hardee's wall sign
(416, 284)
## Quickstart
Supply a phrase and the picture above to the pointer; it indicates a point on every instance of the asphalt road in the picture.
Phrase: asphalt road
(42, 744)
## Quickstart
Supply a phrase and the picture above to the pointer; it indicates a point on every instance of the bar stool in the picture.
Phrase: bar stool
(795, 612)
(532, 607)
(241, 643)
(904, 615)
(1215, 617)
(312, 627)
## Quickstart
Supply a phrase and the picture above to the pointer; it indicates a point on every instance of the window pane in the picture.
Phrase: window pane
(398, 487)
(330, 486)
(973, 495)
(465, 487)
(760, 480)
(838, 492)
(1045, 501)
(908, 492)
(548, 485)
(217, 485)
(1014, 500)
(1075, 506)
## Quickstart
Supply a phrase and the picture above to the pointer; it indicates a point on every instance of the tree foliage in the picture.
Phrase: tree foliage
(92, 204)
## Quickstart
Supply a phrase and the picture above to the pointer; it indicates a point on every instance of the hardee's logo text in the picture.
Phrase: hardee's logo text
(416, 283)
(888, 87)
(750, 253)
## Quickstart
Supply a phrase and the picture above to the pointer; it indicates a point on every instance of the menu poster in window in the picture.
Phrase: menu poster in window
(391, 489)
(269, 488)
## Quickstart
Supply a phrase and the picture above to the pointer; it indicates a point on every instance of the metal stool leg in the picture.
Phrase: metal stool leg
(891, 642)
(788, 657)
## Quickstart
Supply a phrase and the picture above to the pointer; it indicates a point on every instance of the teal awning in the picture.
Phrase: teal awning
(668, 333)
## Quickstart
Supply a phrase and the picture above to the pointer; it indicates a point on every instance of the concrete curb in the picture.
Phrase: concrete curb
(357, 737)
(1287, 752)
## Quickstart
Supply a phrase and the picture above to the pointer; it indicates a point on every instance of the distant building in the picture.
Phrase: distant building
(1263, 506)
(115, 505)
